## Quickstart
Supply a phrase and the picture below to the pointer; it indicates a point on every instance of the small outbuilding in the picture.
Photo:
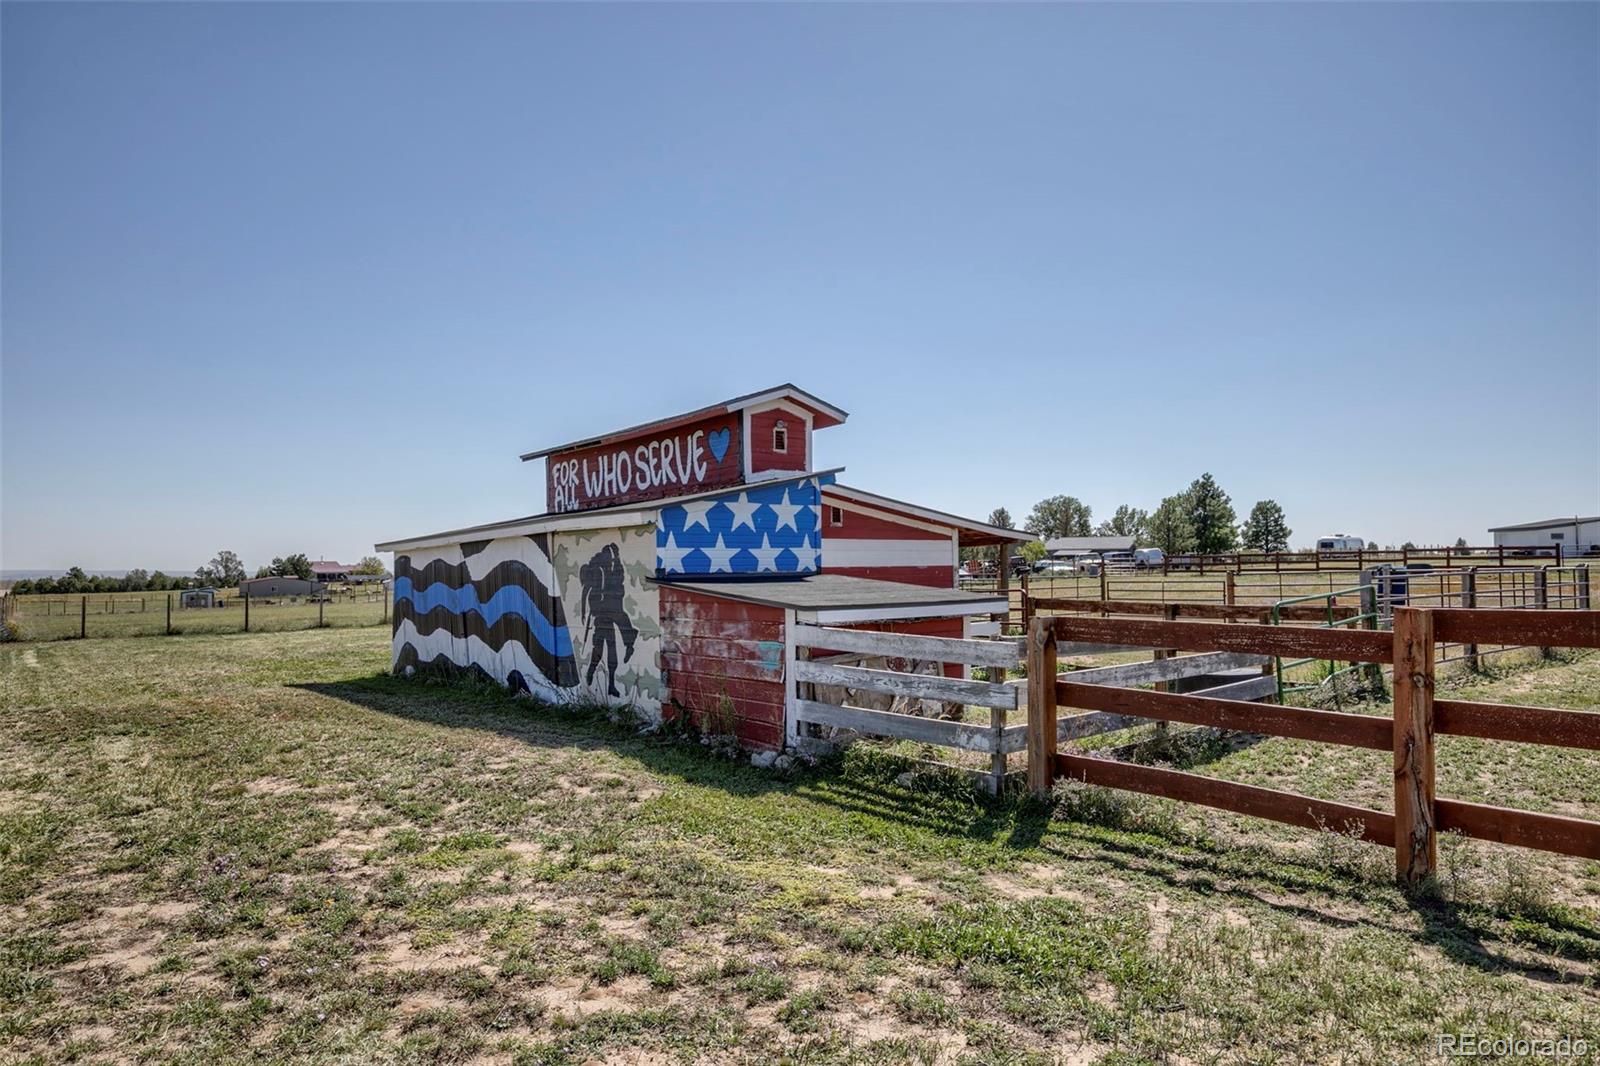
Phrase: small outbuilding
(206, 597)
(1566, 536)
(1079, 547)
(259, 588)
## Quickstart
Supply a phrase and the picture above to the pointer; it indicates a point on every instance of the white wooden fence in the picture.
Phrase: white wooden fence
(843, 647)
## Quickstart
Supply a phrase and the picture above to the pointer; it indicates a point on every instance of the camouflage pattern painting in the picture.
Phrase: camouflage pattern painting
(613, 613)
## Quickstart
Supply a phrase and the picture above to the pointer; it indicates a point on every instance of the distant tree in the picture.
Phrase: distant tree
(159, 582)
(371, 564)
(45, 586)
(264, 571)
(223, 571)
(1266, 530)
(1169, 528)
(1461, 542)
(1407, 546)
(1211, 516)
(1372, 545)
(1127, 521)
(136, 580)
(1031, 550)
(1060, 516)
(296, 565)
(73, 581)
(22, 588)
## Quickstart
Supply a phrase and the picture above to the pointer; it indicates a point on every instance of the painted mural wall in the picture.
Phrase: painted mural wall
(563, 616)
(765, 529)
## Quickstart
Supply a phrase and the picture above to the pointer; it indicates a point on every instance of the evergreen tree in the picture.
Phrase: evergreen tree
(1266, 529)
(1211, 517)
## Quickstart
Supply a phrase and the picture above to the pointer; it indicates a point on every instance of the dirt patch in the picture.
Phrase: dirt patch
(402, 956)
(271, 785)
(574, 997)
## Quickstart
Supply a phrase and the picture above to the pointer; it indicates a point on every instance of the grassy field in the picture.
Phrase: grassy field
(229, 848)
(144, 614)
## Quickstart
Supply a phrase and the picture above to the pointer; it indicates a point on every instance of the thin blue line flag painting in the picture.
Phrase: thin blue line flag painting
(767, 529)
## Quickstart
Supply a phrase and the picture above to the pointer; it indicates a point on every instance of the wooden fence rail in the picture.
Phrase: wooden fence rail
(1419, 815)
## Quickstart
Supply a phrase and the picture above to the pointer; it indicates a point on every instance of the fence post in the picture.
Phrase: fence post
(320, 623)
(247, 608)
(1228, 594)
(1105, 580)
(83, 617)
(1416, 848)
(1541, 596)
(1469, 598)
(1041, 706)
(1580, 574)
(385, 603)
(169, 614)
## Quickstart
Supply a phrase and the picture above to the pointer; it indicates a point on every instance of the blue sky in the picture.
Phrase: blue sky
(284, 277)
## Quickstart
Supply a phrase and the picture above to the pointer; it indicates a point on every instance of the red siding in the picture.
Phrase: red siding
(650, 475)
(711, 648)
(762, 457)
(857, 526)
(938, 577)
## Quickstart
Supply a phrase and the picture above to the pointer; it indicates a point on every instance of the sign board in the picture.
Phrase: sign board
(707, 454)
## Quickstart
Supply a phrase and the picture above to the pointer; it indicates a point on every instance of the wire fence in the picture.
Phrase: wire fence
(135, 614)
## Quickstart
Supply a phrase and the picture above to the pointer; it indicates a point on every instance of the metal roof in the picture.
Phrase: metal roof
(825, 415)
(1546, 524)
(1089, 544)
(825, 591)
(984, 533)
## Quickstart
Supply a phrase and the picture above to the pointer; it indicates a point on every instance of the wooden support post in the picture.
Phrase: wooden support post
(1416, 849)
(1541, 596)
(247, 608)
(1170, 613)
(83, 617)
(1469, 598)
(386, 595)
(169, 614)
(1041, 706)
(1580, 574)
(997, 758)
(320, 601)
(1228, 593)
(1105, 579)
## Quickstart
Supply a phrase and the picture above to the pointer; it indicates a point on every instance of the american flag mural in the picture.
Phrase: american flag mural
(493, 606)
(766, 529)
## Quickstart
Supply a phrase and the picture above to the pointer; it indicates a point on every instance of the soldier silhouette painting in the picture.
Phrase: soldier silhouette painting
(604, 616)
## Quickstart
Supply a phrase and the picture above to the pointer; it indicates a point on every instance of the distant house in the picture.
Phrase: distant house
(262, 587)
(1574, 536)
(326, 571)
(1078, 547)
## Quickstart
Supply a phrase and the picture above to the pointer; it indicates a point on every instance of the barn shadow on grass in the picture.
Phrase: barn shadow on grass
(1297, 885)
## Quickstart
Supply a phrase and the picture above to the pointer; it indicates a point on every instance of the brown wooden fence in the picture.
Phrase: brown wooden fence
(1419, 815)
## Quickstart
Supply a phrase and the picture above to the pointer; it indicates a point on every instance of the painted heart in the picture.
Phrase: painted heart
(719, 439)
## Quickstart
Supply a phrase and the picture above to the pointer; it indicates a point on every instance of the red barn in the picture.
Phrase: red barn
(672, 563)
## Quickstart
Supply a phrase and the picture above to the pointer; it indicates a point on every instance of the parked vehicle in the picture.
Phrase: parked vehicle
(1019, 566)
(1145, 558)
(1340, 542)
(1118, 560)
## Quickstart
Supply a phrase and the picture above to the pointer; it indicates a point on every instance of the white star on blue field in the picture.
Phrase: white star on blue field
(771, 529)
